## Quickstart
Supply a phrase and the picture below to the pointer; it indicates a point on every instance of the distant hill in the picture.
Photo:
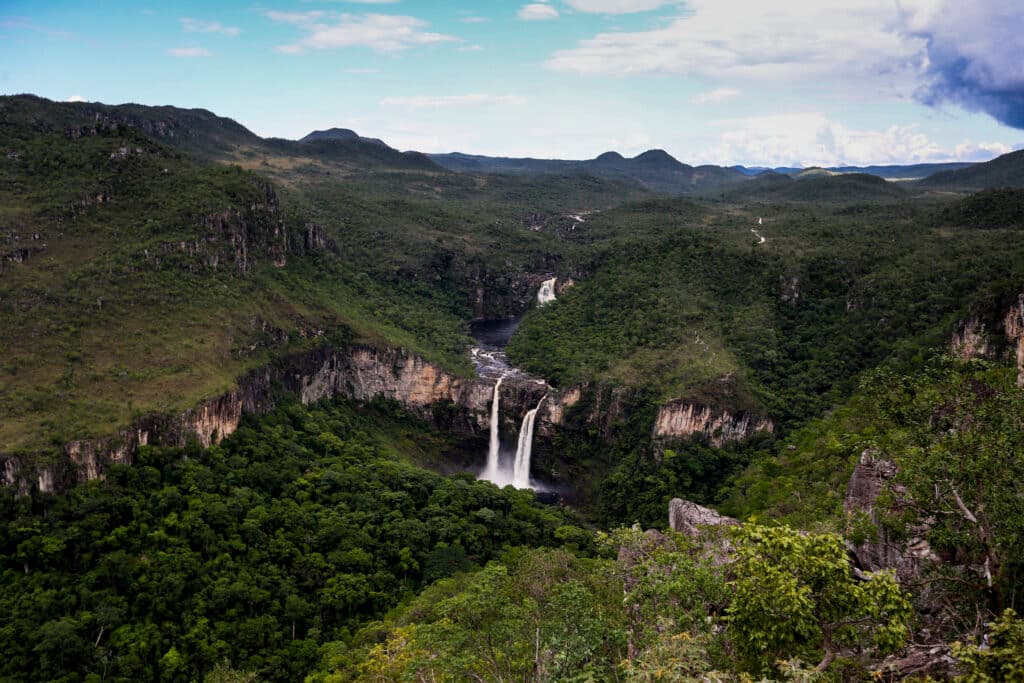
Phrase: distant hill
(988, 209)
(817, 186)
(201, 133)
(342, 134)
(1004, 171)
(654, 169)
(892, 172)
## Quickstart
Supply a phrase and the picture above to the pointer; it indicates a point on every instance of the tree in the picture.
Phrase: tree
(1000, 658)
(957, 436)
(795, 595)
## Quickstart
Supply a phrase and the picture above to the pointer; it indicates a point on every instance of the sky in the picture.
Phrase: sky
(754, 82)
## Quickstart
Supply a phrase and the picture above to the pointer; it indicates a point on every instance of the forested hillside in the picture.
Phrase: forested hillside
(242, 413)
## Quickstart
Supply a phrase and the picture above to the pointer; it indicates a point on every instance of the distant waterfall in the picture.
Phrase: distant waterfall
(521, 469)
(546, 293)
(491, 471)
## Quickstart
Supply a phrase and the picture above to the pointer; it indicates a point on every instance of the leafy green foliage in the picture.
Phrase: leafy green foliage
(292, 533)
(957, 434)
(794, 595)
(1000, 658)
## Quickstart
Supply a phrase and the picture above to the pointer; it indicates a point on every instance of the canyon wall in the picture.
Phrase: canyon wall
(360, 373)
(682, 419)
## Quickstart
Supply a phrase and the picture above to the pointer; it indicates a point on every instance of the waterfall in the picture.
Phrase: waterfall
(546, 293)
(521, 469)
(491, 471)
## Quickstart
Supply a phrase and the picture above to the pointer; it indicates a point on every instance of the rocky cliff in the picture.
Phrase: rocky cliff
(1013, 325)
(681, 419)
(971, 339)
(907, 556)
(993, 335)
(361, 373)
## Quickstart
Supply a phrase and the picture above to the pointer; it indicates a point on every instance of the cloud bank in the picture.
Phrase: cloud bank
(975, 55)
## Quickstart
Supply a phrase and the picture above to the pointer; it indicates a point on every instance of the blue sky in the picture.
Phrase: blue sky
(787, 82)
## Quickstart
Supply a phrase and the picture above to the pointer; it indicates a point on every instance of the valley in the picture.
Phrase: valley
(302, 410)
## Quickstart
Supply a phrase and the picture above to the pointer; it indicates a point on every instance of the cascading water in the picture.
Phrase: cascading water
(546, 293)
(491, 470)
(521, 468)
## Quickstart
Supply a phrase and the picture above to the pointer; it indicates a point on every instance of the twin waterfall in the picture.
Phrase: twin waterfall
(491, 362)
(519, 476)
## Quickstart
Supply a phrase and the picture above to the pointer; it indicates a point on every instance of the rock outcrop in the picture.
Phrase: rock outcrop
(870, 478)
(971, 339)
(993, 335)
(687, 518)
(1013, 325)
(681, 419)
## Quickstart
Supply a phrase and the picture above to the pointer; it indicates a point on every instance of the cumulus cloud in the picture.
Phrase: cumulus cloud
(189, 52)
(812, 139)
(975, 55)
(716, 96)
(76, 98)
(199, 26)
(980, 151)
(740, 41)
(432, 102)
(380, 32)
(537, 11)
(616, 6)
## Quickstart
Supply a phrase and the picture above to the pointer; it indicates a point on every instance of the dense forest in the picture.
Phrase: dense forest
(160, 265)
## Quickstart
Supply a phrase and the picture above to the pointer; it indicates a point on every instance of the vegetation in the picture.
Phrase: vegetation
(150, 256)
(292, 533)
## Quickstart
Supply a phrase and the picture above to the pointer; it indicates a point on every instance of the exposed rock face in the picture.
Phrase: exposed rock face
(686, 517)
(554, 410)
(360, 373)
(681, 419)
(789, 290)
(870, 478)
(1013, 324)
(605, 406)
(971, 339)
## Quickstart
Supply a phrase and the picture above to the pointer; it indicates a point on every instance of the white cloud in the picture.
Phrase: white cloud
(615, 6)
(301, 18)
(475, 20)
(189, 52)
(471, 48)
(76, 98)
(362, 71)
(380, 32)
(980, 151)
(537, 11)
(812, 139)
(716, 96)
(432, 102)
(740, 41)
(200, 26)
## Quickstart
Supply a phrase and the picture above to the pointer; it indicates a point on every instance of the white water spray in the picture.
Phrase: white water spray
(521, 468)
(491, 471)
(546, 293)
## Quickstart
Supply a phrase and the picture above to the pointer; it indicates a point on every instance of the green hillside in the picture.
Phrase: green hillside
(1003, 171)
